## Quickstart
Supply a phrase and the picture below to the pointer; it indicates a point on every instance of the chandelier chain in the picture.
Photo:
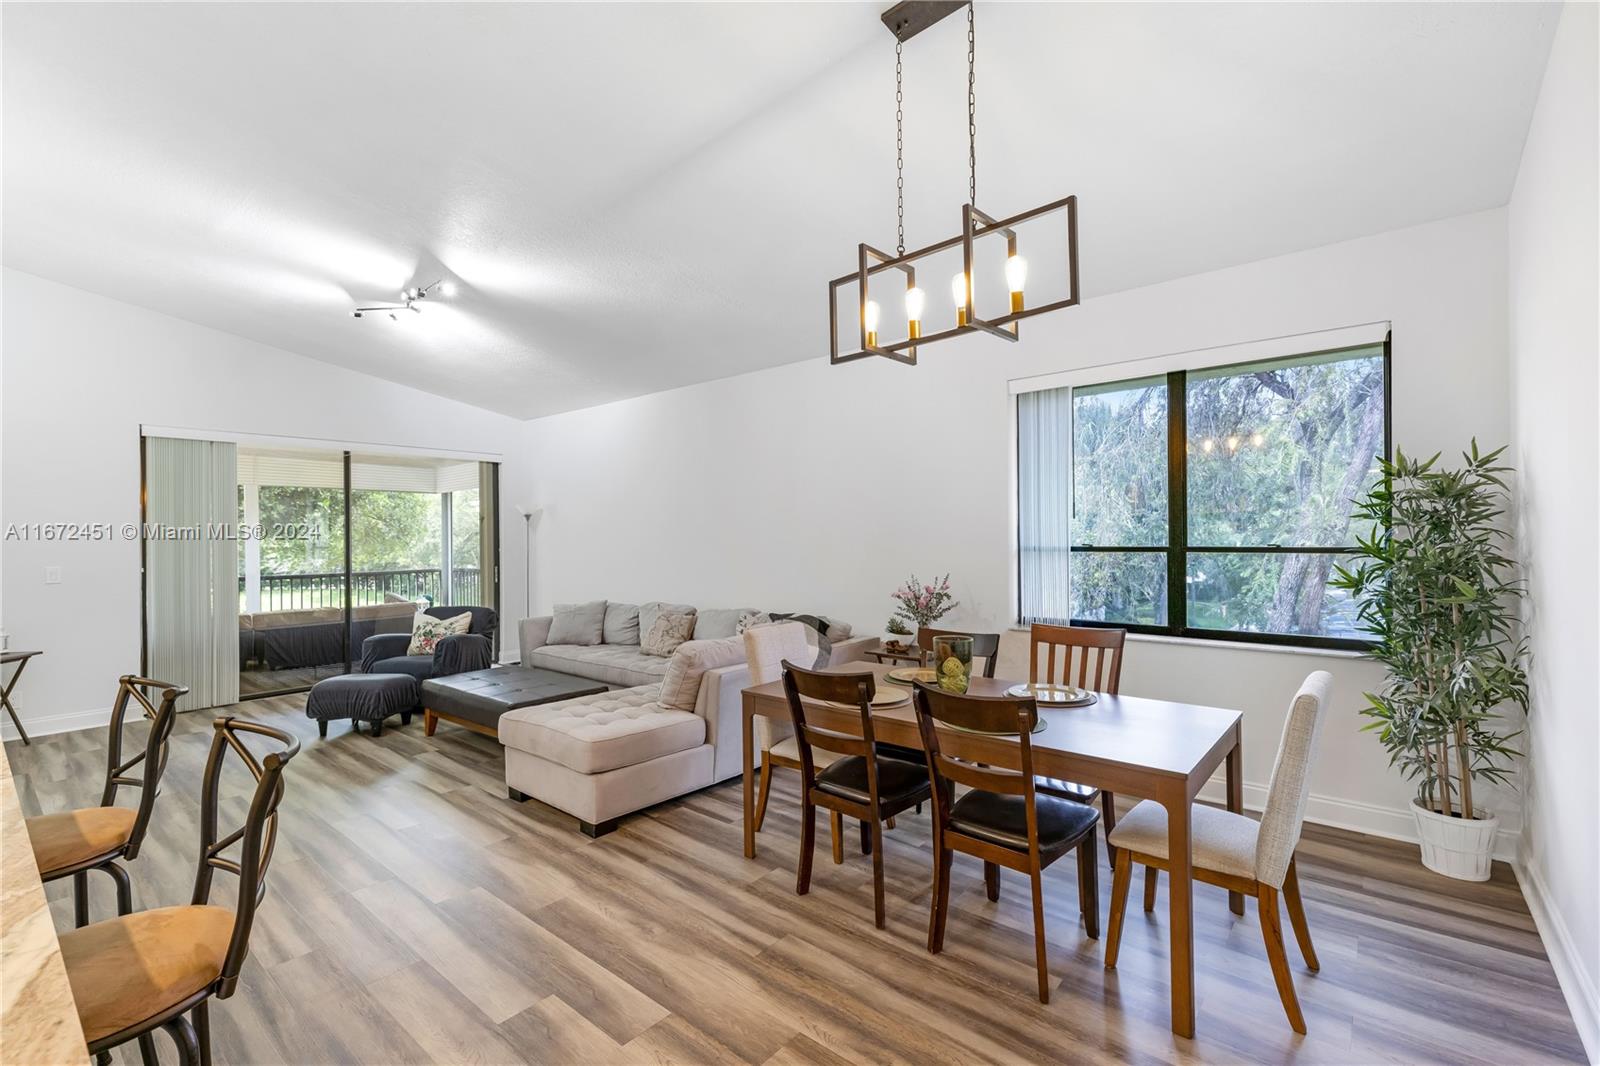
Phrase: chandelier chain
(899, 152)
(972, 109)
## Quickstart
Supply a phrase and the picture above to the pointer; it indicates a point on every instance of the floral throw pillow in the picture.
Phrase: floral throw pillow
(670, 630)
(427, 631)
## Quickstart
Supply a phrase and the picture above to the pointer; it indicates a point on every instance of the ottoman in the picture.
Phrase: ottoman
(362, 698)
(477, 698)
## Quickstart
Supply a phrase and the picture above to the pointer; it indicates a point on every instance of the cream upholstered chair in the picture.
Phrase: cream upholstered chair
(1239, 853)
(766, 647)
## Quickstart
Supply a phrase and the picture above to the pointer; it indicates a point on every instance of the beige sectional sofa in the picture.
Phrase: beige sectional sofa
(670, 726)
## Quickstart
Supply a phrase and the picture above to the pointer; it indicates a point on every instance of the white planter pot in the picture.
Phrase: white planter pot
(1462, 848)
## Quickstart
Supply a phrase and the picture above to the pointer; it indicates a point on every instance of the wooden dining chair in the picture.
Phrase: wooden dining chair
(1003, 820)
(73, 843)
(1237, 852)
(984, 645)
(765, 649)
(862, 783)
(1078, 641)
(157, 969)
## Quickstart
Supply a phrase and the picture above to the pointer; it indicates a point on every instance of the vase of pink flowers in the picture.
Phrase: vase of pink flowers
(919, 605)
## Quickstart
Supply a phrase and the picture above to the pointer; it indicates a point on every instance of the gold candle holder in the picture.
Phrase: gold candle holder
(1016, 302)
(914, 329)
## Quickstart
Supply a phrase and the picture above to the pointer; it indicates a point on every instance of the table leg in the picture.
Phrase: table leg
(747, 753)
(5, 698)
(1180, 901)
(1235, 771)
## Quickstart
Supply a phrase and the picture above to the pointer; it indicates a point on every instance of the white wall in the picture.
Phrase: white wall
(81, 373)
(812, 487)
(1555, 345)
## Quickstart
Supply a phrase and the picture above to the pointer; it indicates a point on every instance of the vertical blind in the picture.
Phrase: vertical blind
(1044, 512)
(191, 568)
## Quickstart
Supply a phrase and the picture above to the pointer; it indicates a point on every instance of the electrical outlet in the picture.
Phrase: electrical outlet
(52, 575)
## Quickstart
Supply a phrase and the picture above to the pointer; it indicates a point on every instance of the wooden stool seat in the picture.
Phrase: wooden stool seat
(131, 969)
(71, 839)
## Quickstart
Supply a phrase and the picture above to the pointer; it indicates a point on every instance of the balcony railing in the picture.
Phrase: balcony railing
(293, 592)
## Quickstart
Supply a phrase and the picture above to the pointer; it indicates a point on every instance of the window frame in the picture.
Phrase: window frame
(1178, 549)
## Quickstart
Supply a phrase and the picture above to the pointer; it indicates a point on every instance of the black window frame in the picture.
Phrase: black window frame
(1178, 549)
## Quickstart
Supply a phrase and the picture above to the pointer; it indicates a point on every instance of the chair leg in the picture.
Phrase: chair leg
(1297, 918)
(147, 1050)
(377, 728)
(1038, 938)
(405, 719)
(766, 790)
(877, 874)
(1089, 885)
(866, 839)
(941, 897)
(1121, 875)
(836, 832)
(322, 727)
(991, 880)
(124, 887)
(1272, 934)
(890, 822)
(80, 899)
(1108, 818)
(808, 838)
(1152, 877)
(188, 1044)
(202, 1030)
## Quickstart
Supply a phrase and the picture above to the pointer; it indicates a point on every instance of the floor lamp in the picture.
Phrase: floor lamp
(529, 515)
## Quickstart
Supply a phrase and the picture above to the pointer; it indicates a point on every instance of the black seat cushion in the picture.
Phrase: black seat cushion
(1003, 820)
(1066, 789)
(900, 783)
(895, 751)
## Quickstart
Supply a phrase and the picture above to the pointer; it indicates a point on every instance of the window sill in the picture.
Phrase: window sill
(1236, 645)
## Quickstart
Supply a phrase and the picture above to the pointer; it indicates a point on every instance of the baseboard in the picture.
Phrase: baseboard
(48, 724)
(1370, 818)
(1577, 984)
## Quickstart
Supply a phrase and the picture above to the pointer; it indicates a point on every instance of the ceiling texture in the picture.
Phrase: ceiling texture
(637, 197)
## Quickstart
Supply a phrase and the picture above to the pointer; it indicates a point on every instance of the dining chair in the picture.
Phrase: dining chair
(861, 783)
(1107, 679)
(157, 969)
(1237, 852)
(1003, 820)
(73, 843)
(984, 645)
(765, 649)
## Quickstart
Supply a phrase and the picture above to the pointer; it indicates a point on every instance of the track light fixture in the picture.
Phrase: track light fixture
(409, 299)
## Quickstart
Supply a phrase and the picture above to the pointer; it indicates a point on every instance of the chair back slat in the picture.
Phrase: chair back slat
(851, 690)
(1107, 677)
(985, 646)
(162, 718)
(1012, 775)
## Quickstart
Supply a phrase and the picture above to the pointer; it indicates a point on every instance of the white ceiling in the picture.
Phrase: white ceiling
(636, 197)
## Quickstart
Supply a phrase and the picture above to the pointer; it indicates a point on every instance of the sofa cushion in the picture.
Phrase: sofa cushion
(688, 665)
(615, 664)
(418, 666)
(621, 624)
(649, 612)
(667, 632)
(714, 623)
(593, 734)
(578, 623)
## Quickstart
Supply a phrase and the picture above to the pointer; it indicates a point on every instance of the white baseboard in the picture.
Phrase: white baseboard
(1577, 984)
(1370, 818)
(48, 724)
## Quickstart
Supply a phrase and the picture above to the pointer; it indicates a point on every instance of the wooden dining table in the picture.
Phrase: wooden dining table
(1135, 747)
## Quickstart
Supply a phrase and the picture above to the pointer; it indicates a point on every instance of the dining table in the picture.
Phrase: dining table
(1132, 746)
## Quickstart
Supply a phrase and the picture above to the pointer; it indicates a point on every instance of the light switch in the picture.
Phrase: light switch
(52, 575)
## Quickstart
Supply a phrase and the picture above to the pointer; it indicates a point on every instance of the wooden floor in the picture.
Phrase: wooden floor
(414, 914)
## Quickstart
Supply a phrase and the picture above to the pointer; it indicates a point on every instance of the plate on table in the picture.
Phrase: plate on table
(910, 675)
(1038, 727)
(890, 696)
(1062, 695)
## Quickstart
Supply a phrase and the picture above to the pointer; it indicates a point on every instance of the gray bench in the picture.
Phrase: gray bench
(476, 699)
(362, 698)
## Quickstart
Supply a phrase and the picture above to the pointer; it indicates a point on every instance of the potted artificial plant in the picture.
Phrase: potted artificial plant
(1438, 592)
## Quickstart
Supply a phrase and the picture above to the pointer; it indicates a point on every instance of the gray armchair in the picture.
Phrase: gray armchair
(385, 653)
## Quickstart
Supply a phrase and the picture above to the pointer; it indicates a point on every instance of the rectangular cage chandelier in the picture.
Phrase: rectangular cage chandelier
(906, 20)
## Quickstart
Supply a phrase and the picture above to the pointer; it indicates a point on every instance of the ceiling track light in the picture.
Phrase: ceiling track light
(409, 298)
(906, 20)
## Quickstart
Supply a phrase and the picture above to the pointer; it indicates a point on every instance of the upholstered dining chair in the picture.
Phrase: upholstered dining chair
(1237, 852)
(765, 649)
(1003, 820)
(1044, 641)
(136, 973)
(73, 843)
(861, 783)
(984, 645)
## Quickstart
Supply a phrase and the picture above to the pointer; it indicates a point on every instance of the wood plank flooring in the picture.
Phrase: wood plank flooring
(414, 914)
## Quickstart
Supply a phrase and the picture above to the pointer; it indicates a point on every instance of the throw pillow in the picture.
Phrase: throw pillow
(680, 688)
(837, 630)
(753, 618)
(649, 612)
(667, 633)
(578, 623)
(714, 623)
(427, 631)
(622, 624)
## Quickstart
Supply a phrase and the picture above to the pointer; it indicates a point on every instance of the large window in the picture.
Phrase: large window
(1210, 502)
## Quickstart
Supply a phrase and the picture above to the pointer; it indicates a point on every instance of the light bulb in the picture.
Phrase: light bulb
(1016, 278)
(1233, 444)
(869, 319)
(1205, 445)
(916, 303)
(1257, 440)
(447, 288)
(958, 293)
